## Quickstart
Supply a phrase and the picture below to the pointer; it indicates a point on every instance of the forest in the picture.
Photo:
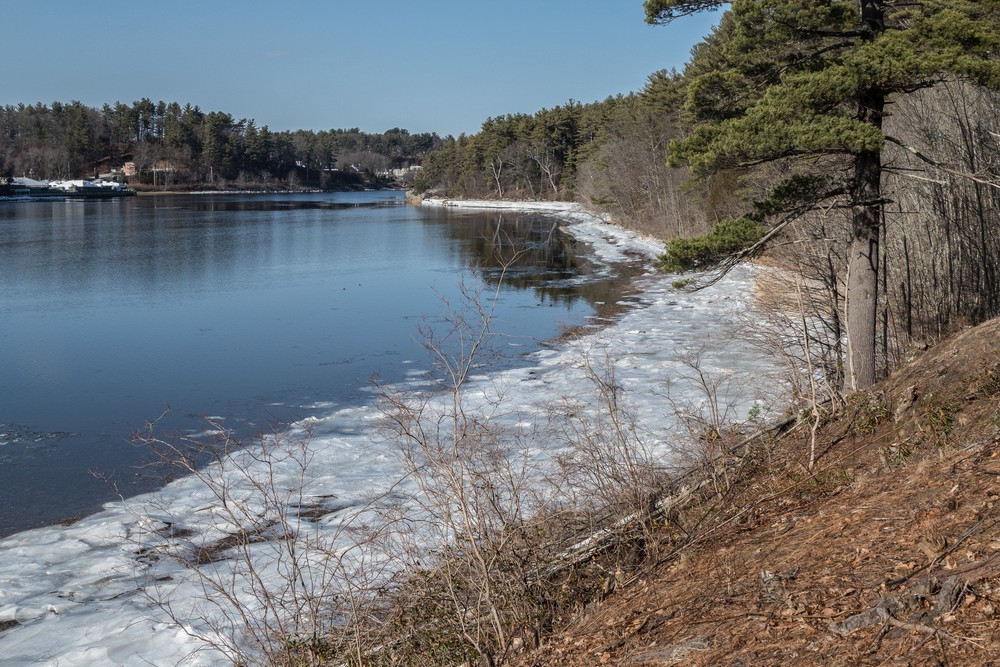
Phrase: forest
(184, 147)
(855, 143)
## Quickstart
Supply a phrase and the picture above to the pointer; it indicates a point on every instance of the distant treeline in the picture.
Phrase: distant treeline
(610, 153)
(183, 146)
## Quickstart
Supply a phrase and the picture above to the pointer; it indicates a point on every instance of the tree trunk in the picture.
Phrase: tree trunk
(861, 298)
(862, 273)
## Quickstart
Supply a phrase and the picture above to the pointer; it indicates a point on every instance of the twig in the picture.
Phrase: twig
(944, 554)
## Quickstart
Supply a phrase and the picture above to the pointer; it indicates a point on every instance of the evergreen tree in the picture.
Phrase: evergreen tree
(809, 82)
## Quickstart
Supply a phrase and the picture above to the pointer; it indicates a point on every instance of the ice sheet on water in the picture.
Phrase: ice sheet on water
(76, 591)
(19, 433)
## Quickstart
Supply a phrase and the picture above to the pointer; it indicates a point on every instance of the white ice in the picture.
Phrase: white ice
(76, 592)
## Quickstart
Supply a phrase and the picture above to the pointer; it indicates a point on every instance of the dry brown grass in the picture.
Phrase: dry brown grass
(888, 553)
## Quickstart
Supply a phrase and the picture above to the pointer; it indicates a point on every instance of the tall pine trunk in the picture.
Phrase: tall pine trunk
(862, 271)
(866, 206)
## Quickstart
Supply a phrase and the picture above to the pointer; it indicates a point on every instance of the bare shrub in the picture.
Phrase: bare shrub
(274, 575)
(499, 533)
(707, 404)
(798, 323)
(471, 547)
(492, 521)
(606, 463)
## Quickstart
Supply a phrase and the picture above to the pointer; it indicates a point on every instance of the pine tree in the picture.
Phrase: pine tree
(805, 81)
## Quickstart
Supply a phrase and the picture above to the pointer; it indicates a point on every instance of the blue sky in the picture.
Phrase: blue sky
(433, 65)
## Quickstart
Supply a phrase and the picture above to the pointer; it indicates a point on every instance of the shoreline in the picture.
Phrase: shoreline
(82, 582)
(503, 204)
(573, 212)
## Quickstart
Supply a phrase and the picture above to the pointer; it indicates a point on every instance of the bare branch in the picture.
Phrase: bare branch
(937, 165)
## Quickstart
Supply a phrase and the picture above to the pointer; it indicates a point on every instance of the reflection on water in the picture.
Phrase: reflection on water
(217, 203)
(251, 308)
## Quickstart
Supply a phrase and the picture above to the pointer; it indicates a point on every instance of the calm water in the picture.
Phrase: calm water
(255, 309)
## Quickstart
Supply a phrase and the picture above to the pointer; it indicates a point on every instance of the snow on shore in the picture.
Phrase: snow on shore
(73, 595)
(611, 243)
(505, 204)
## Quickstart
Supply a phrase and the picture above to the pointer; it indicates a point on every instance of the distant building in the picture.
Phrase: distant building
(406, 171)
(129, 169)
(164, 167)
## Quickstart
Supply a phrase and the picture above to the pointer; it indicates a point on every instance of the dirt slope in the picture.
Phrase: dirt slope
(887, 554)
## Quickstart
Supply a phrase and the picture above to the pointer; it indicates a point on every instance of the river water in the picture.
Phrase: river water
(253, 310)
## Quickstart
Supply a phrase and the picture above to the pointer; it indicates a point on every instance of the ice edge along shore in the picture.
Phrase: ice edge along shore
(73, 595)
